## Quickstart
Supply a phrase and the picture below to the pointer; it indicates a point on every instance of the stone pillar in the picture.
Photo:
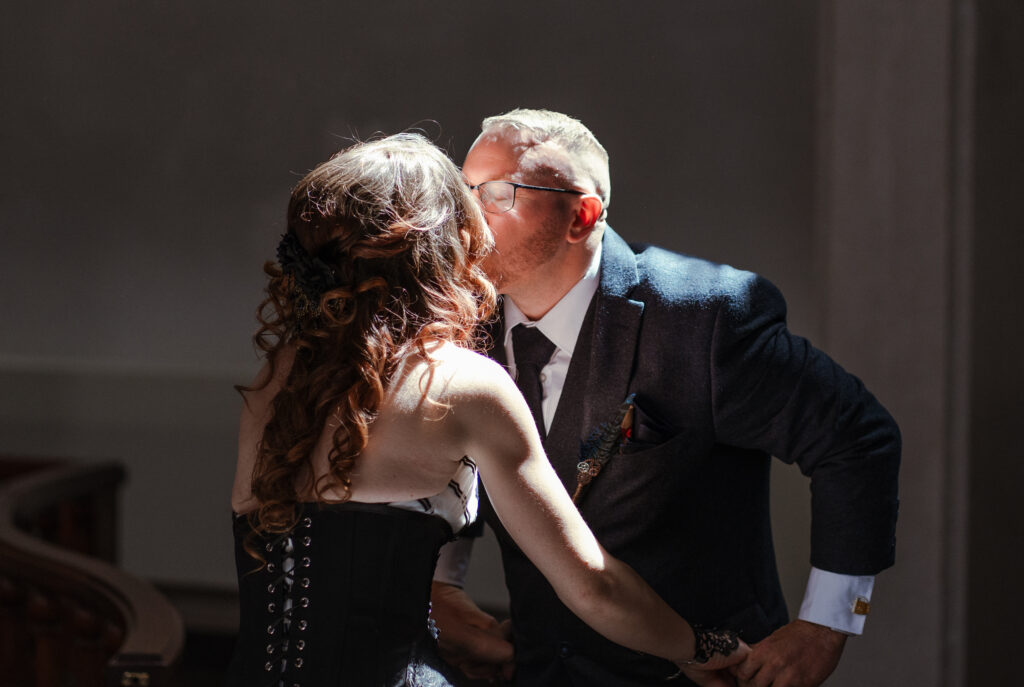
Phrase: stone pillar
(887, 238)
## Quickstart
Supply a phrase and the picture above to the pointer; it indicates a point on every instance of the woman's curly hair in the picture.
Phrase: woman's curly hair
(392, 251)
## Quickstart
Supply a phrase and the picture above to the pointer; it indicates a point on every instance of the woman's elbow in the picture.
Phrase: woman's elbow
(591, 596)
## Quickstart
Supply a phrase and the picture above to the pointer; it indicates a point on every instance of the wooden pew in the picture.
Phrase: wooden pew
(68, 616)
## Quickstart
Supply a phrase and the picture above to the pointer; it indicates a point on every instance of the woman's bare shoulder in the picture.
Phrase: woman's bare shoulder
(470, 376)
(484, 406)
(456, 385)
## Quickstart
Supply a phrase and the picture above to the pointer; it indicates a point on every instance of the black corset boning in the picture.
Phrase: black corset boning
(343, 599)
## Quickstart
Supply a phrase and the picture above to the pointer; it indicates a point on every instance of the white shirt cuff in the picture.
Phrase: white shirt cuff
(832, 599)
(453, 562)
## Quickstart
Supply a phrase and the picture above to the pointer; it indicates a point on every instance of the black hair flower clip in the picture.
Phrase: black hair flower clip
(311, 274)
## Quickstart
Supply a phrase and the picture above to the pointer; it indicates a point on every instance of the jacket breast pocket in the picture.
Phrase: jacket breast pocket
(649, 476)
(675, 444)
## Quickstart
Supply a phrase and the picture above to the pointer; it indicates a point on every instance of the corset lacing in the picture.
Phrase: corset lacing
(286, 571)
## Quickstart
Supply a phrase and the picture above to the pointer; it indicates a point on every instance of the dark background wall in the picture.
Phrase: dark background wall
(149, 148)
(997, 366)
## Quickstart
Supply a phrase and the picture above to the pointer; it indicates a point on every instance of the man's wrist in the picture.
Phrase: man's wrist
(837, 601)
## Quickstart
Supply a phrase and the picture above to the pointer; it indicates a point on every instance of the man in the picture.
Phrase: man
(718, 385)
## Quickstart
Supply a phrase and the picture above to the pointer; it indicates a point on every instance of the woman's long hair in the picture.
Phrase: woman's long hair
(388, 263)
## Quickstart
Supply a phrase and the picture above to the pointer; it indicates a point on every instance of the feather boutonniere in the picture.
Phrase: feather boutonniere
(605, 441)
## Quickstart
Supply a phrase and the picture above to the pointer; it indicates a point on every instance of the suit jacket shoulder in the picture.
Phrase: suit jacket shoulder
(714, 352)
(668, 278)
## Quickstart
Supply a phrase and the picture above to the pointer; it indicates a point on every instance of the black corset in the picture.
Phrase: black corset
(343, 599)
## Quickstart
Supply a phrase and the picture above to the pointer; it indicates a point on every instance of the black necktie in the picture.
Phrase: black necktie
(532, 351)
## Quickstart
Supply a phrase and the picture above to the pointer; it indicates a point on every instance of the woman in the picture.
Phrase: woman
(361, 438)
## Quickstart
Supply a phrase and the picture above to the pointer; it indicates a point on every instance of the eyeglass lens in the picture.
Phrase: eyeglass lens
(497, 196)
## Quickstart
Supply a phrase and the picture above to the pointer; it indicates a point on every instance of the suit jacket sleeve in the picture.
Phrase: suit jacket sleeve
(773, 391)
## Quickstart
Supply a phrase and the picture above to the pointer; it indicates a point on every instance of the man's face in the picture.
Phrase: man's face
(529, 239)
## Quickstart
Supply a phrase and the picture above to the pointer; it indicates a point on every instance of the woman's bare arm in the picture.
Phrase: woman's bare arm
(539, 515)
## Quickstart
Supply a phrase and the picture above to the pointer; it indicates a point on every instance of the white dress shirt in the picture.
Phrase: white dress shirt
(561, 325)
(829, 598)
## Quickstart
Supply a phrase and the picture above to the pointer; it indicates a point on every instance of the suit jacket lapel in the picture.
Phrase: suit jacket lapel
(614, 337)
(562, 443)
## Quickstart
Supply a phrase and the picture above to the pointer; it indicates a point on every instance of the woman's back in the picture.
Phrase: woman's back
(343, 598)
(413, 447)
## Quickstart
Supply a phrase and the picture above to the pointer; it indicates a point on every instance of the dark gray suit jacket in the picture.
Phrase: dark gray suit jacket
(720, 386)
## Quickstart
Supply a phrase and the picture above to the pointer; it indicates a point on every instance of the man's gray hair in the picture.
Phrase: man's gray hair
(587, 153)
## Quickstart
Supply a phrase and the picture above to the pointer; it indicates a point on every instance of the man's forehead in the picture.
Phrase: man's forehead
(523, 156)
(547, 162)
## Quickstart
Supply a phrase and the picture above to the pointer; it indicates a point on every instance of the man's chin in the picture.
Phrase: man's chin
(497, 278)
(501, 285)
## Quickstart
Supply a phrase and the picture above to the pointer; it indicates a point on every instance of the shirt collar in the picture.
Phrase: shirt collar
(562, 323)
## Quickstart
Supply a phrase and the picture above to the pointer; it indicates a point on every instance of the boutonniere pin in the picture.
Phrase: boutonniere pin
(606, 440)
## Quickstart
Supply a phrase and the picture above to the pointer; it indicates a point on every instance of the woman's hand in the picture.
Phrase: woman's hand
(722, 650)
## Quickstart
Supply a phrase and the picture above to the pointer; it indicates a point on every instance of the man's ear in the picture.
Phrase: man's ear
(586, 217)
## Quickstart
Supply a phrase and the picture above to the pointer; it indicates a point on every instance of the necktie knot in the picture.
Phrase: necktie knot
(531, 348)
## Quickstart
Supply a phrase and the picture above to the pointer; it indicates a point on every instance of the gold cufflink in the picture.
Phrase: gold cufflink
(861, 606)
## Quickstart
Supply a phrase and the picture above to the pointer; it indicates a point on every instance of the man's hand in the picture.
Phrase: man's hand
(800, 654)
(469, 639)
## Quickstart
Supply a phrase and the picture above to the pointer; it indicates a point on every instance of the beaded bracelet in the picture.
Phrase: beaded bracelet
(708, 642)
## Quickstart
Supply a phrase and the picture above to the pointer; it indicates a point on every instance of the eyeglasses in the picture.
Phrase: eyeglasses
(499, 196)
